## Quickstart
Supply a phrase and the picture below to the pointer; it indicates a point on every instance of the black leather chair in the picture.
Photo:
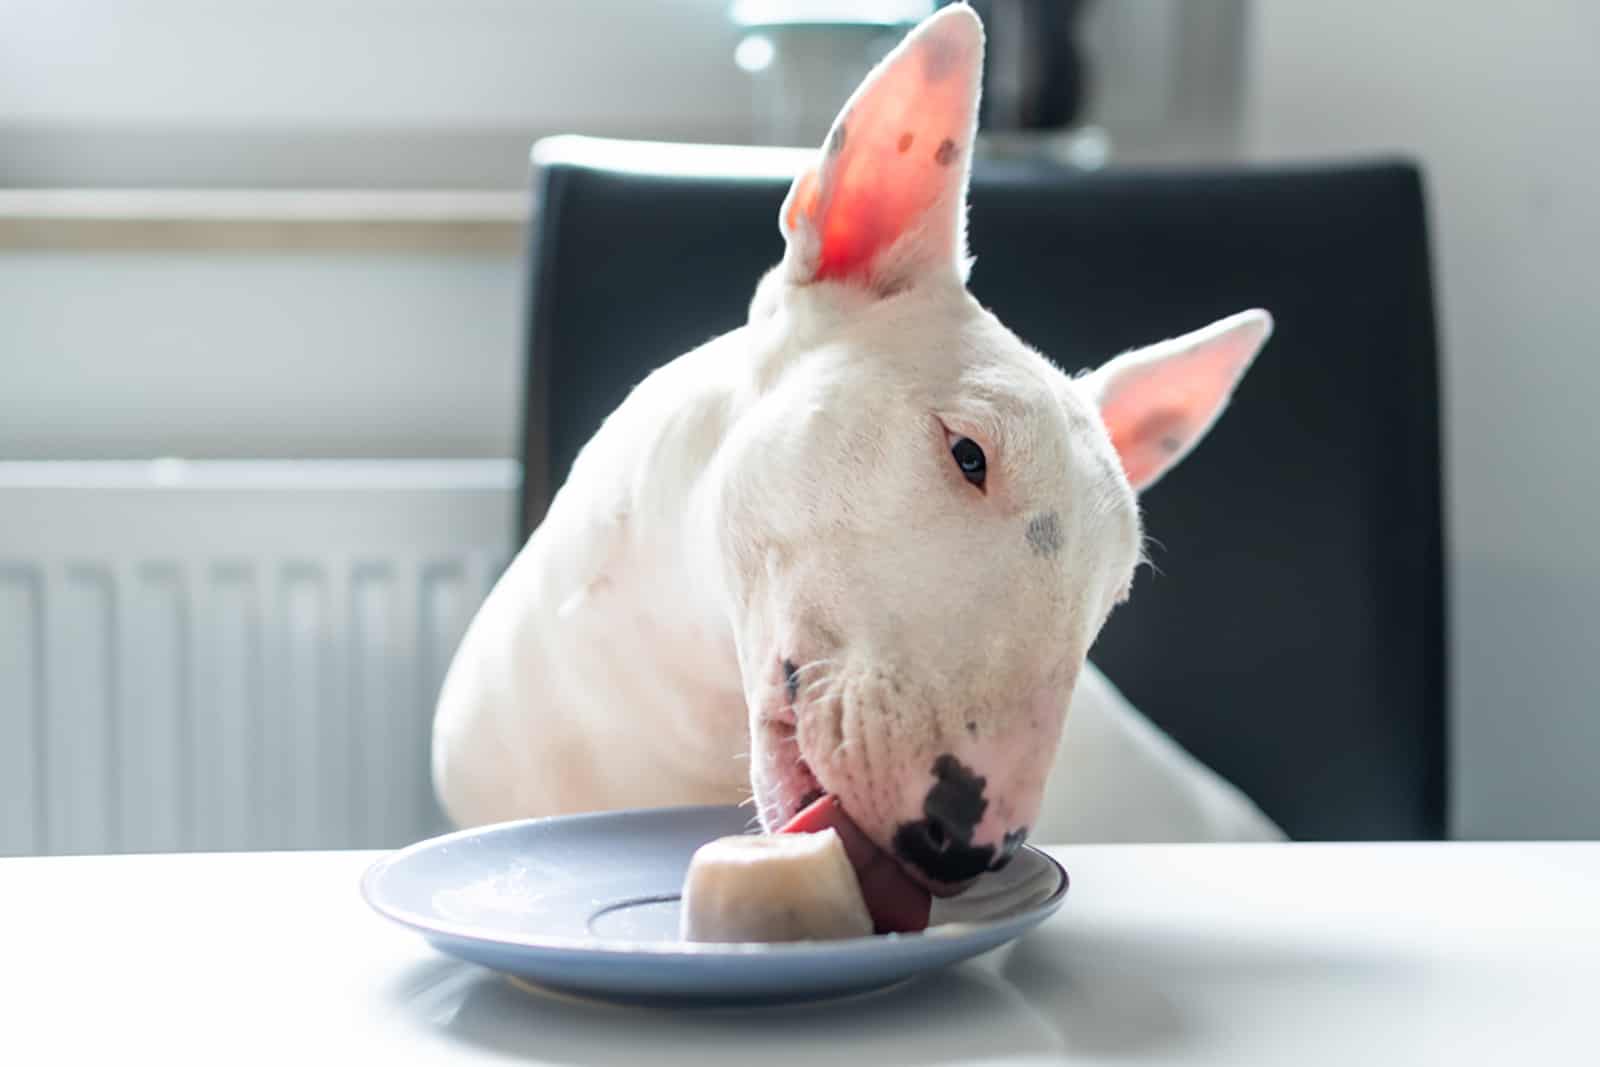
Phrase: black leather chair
(1293, 637)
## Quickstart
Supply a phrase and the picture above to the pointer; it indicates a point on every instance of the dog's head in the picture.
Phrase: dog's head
(926, 524)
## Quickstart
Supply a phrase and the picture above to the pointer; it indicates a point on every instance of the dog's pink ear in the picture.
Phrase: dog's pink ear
(1158, 402)
(886, 200)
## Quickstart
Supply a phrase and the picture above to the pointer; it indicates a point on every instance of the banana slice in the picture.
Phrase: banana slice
(777, 887)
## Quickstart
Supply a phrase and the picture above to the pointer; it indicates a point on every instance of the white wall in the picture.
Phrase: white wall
(428, 93)
(108, 354)
(276, 92)
(265, 62)
(1501, 104)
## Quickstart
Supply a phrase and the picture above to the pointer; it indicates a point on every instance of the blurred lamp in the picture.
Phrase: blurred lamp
(805, 56)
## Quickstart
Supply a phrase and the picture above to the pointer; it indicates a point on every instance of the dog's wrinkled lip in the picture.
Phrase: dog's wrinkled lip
(798, 787)
(796, 784)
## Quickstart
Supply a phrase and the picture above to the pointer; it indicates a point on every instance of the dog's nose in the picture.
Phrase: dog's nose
(940, 843)
(930, 846)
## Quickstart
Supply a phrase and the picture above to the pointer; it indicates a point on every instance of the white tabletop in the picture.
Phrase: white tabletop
(1271, 954)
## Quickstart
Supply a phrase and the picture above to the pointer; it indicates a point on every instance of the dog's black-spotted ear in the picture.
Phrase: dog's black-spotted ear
(885, 203)
(1158, 402)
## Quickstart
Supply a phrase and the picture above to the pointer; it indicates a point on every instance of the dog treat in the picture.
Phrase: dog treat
(897, 904)
(771, 887)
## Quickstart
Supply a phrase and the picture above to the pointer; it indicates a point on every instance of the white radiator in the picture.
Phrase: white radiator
(222, 656)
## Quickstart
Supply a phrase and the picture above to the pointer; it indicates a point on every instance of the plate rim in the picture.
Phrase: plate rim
(595, 949)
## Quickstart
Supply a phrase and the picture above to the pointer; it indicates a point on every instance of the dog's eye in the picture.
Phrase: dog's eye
(969, 457)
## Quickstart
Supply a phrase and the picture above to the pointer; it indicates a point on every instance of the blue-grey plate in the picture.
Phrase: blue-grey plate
(588, 905)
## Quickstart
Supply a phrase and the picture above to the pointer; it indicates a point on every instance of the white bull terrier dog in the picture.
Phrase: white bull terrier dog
(860, 545)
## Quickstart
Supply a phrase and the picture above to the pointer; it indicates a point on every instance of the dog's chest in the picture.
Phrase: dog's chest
(661, 684)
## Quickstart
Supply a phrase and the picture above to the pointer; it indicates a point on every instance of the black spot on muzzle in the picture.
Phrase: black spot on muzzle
(940, 844)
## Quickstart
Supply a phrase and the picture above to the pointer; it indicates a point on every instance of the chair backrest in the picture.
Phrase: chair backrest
(1292, 636)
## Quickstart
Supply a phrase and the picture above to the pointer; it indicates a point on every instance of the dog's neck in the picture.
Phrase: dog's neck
(630, 550)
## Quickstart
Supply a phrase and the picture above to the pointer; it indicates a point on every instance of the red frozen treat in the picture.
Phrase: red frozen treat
(897, 904)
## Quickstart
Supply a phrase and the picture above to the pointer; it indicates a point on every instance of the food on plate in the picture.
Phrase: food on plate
(773, 887)
(818, 878)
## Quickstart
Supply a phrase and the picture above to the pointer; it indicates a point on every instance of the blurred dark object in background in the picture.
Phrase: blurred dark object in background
(1035, 76)
(804, 55)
